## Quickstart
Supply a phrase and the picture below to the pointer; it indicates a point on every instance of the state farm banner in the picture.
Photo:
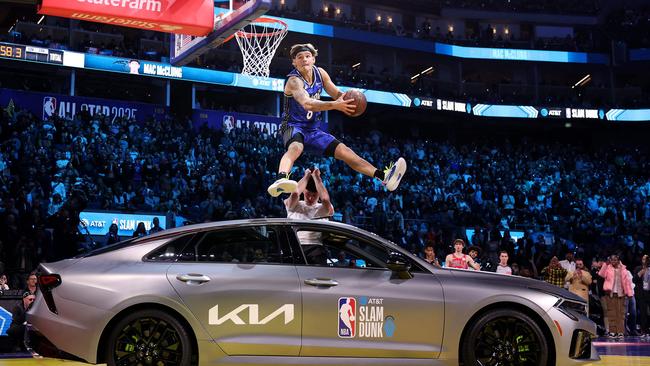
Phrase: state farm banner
(46, 105)
(194, 17)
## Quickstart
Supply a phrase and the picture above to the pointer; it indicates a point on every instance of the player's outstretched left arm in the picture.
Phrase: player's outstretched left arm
(322, 192)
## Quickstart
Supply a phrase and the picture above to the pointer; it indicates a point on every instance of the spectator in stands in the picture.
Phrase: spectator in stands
(3, 282)
(430, 255)
(568, 263)
(630, 308)
(155, 226)
(140, 230)
(503, 266)
(597, 290)
(112, 235)
(579, 280)
(55, 204)
(515, 269)
(554, 273)
(458, 259)
(31, 283)
(617, 286)
(644, 296)
(475, 252)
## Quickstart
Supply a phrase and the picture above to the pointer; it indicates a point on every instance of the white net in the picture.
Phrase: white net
(258, 42)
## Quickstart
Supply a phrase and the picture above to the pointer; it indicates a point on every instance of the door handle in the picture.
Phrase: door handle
(326, 282)
(193, 278)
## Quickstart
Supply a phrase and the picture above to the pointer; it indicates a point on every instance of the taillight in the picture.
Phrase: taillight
(46, 282)
(49, 281)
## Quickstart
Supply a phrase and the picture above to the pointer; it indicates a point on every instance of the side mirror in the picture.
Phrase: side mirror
(397, 263)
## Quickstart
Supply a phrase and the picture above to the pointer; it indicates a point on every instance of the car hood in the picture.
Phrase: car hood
(500, 280)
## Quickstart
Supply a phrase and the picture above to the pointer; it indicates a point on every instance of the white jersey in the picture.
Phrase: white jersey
(302, 211)
(504, 269)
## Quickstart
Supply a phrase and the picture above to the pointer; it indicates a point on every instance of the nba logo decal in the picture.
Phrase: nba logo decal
(228, 123)
(49, 107)
(347, 317)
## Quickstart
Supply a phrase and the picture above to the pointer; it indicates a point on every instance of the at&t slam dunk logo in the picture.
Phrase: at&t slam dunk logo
(365, 321)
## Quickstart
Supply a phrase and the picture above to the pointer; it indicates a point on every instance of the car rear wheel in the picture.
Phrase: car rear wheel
(148, 337)
(505, 337)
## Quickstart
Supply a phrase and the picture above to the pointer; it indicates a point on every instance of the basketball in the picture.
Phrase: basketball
(359, 101)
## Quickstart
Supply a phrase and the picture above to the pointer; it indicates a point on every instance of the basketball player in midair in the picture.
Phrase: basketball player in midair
(301, 123)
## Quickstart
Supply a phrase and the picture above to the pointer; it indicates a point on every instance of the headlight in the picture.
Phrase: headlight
(569, 308)
(564, 305)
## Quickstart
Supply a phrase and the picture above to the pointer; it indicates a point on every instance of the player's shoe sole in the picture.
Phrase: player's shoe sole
(282, 185)
(394, 175)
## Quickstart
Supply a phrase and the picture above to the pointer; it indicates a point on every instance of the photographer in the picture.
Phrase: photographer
(16, 331)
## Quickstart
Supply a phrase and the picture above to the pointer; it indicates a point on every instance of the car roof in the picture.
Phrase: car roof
(198, 228)
(248, 222)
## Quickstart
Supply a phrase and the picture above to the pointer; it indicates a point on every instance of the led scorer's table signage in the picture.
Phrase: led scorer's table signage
(98, 223)
(165, 70)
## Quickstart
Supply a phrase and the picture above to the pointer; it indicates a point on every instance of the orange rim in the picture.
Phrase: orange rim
(283, 28)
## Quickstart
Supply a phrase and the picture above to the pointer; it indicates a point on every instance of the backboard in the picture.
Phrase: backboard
(185, 48)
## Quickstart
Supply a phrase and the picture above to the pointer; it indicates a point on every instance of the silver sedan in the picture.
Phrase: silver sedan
(276, 291)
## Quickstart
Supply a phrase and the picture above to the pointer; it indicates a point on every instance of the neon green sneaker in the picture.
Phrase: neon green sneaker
(282, 185)
(394, 173)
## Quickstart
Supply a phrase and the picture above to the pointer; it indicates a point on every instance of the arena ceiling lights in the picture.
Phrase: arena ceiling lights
(582, 82)
(424, 72)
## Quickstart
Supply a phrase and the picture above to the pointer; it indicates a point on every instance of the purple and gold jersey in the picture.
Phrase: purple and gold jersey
(293, 113)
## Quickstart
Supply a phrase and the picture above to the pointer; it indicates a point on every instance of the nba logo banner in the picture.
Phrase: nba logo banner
(347, 317)
(49, 107)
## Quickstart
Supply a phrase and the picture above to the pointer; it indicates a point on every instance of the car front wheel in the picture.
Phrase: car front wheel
(505, 337)
(148, 337)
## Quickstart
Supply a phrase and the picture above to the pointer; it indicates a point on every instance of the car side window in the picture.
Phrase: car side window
(252, 244)
(171, 251)
(335, 249)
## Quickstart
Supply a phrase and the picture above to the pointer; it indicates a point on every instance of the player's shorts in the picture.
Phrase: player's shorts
(314, 140)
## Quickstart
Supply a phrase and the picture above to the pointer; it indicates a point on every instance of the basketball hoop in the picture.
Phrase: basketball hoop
(258, 42)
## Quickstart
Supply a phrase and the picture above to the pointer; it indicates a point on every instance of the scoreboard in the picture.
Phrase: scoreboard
(31, 53)
(12, 51)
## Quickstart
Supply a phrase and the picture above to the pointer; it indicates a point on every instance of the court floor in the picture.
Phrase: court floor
(632, 351)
